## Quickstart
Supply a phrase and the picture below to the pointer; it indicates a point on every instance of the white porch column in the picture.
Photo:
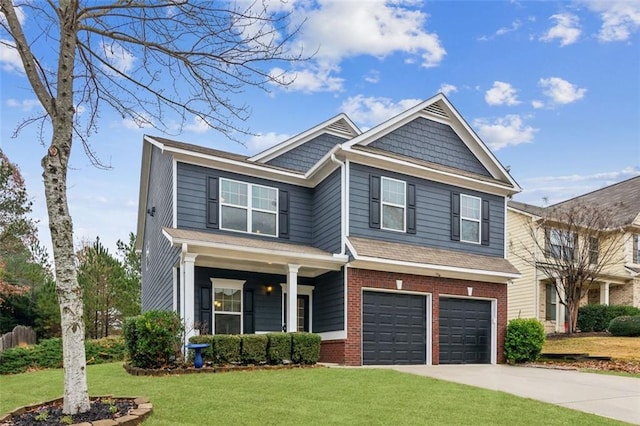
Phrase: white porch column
(604, 293)
(292, 297)
(188, 302)
(560, 309)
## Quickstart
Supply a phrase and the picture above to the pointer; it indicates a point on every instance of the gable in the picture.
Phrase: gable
(303, 157)
(431, 141)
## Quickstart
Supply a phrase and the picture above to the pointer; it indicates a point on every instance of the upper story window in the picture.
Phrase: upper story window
(561, 244)
(636, 248)
(594, 250)
(470, 218)
(247, 207)
(393, 204)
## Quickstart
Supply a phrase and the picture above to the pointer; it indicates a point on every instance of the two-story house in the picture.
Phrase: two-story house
(533, 295)
(389, 243)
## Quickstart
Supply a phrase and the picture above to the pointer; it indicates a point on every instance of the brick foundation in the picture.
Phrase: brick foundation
(358, 278)
(332, 351)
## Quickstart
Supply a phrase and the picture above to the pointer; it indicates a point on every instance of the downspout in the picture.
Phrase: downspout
(343, 204)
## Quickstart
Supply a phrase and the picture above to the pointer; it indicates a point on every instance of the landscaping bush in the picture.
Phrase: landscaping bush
(524, 340)
(226, 349)
(155, 340)
(626, 326)
(17, 360)
(207, 353)
(254, 349)
(278, 348)
(107, 349)
(597, 317)
(305, 348)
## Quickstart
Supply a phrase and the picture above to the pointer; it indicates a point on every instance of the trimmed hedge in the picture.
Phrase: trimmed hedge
(524, 340)
(227, 349)
(597, 317)
(153, 339)
(48, 354)
(279, 348)
(254, 349)
(305, 348)
(625, 326)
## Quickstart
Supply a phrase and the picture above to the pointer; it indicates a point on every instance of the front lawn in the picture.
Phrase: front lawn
(299, 397)
(620, 348)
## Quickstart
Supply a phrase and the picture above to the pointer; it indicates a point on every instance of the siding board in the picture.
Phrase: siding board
(303, 157)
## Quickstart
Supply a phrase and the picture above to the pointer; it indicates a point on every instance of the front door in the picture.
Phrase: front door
(303, 312)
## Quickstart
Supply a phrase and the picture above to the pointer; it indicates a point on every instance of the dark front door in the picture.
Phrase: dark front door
(465, 331)
(394, 328)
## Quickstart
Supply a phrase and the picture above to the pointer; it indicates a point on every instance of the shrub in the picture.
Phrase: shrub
(278, 348)
(305, 348)
(597, 317)
(626, 326)
(107, 349)
(17, 360)
(207, 353)
(524, 340)
(254, 349)
(130, 335)
(155, 340)
(226, 349)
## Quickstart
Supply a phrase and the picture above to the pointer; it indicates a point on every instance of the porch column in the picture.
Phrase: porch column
(188, 303)
(292, 297)
(560, 309)
(604, 293)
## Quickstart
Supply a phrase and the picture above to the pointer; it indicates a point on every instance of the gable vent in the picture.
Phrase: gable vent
(341, 127)
(436, 109)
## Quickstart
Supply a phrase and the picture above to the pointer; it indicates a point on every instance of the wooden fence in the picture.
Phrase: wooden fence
(20, 336)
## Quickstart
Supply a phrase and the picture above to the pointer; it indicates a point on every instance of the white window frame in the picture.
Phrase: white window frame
(471, 219)
(565, 240)
(249, 207)
(402, 206)
(224, 283)
(303, 290)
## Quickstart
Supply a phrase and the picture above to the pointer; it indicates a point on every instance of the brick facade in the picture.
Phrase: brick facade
(349, 351)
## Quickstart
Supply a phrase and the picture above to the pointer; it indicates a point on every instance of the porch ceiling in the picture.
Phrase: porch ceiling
(251, 254)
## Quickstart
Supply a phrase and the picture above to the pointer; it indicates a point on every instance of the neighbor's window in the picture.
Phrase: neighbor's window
(247, 207)
(227, 306)
(636, 248)
(393, 204)
(470, 218)
(561, 244)
(552, 301)
(594, 250)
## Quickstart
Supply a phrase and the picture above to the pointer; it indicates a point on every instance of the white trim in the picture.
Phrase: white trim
(494, 320)
(428, 313)
(333, 335)
(174, 290)
(303, 290)
(343, 203)
(346, 298)
(174, 196)
(347, 183)
(470, 219)
(249, 207)
(403, 206)
(230, 284)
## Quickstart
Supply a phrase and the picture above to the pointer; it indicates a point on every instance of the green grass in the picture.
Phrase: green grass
(299, 397)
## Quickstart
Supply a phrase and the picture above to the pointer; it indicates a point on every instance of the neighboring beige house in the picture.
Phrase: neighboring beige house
(533, 296)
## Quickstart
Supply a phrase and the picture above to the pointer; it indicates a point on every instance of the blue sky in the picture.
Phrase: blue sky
(553, 88)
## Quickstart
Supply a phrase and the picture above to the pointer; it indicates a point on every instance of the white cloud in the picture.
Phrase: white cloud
(310, 80)
(619, 19)
(9, 57)
(24, 105)
(509, 130)
(370, 111)
(566, 29)
(515, 25)
(537, 104)
(118, 57)
(198, 125)
(141, 121)
(373, 76)
(446, 89)
(561, 91)
(261, 141)
(501, 94)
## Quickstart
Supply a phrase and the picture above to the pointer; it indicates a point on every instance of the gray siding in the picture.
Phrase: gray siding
(433, 214)
(158, 257)
(328, 302)
(303, 157)
(327, 213)
(431, 141)
(191, 201)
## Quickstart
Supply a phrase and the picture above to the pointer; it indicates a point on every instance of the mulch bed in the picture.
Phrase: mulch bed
(622, 366)
(208, 368)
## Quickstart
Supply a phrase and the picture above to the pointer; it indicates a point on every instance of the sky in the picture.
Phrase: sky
(552, 88)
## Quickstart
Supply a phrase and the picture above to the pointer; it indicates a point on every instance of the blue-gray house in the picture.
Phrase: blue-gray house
(389, 243)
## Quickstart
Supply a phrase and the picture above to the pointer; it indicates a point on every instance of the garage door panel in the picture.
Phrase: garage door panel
(465, 331)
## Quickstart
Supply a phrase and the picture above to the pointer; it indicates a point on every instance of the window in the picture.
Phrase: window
(594, 250)
(246, 207)
(469, 219)
(551, 302)
(393, 204)
(227, 306)
(636, 248)
(561, 244)
(303, 306)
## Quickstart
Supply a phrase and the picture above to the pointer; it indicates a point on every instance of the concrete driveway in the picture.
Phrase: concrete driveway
(605, 395)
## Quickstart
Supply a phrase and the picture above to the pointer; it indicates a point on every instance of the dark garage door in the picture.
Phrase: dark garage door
(394, 328)
(465, 331)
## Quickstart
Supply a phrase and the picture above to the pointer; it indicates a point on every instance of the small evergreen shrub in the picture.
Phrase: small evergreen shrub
(156, 339)
(254, 349)
(524, 340)
(226, 349)
(130, 335)
(17, 360)
(207, 353)
(107, 349)
(597, 317)
(625, 326)
(48, 353)
(278, 348)
(305, 348)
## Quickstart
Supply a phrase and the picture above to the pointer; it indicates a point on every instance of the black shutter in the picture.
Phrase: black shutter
(575, 253)
(484, 229)
(283, 214)
(455, 216)
(205, 310)
(374, 201)
(248, 320)
(635, 249)
(212, 202)
(547, 242)
(411, 208)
